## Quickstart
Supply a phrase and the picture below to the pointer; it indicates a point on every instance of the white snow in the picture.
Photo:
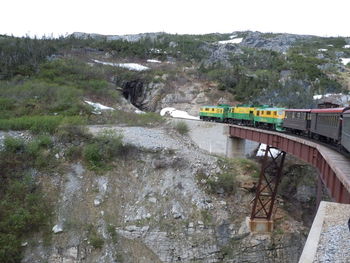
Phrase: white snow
(231, 41)
(322, 49)
(330, 45)
(177, 113)
(317, 97)
(262, 149)
(57, 228)
(346, 46)
(98, 107)
(340, 98)
(156, 51)
(130, 66)
(153, 61)
(137, 111)
(233, 36)
(345, 61)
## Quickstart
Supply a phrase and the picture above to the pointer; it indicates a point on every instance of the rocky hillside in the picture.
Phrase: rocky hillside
(143, 191)
(162, 200)
(257, 67)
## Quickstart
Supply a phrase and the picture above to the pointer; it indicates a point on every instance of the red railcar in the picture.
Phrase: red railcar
(327, 123)
(297, 120)
(345, 138)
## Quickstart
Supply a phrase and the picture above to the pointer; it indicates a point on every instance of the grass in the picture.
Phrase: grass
(222, 182)
(36, 124)
(104, 148)
(182, 127)
(248, 167)
(128, 118)
(94, 238)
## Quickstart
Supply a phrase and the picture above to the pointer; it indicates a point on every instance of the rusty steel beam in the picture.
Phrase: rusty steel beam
(266, 191)
(333, 167)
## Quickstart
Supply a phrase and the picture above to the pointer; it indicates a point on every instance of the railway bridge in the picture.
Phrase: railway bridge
(333, 168)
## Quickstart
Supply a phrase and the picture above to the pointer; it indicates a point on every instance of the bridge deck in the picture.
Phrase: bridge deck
(334, 167)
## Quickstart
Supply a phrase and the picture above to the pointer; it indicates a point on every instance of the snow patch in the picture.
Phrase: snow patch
(233, 36)
(346, 46)
(262, 149)
(340, 98)
(98, 107)
(177, 114)
(57, 228)
(153, 61)
(231, 41)
(130, 66)
(137, 111)
(323, 49)
(345, 61)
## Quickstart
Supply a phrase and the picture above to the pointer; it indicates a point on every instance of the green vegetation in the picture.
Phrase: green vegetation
(247, 167)
(181, 127)
(94, 238)
(207, 217)
(104, 148)
(113, 234)
(23, 209)
(128, 118)
(222, 183)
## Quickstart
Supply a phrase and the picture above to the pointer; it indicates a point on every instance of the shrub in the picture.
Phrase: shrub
(23, 211)
(6, 104)
(112, 233)
(13, 145)
(225, 182)
(73, 153)
(182, 127)
(96, 241)
(72, 129)
(93, 155)
(103, 148)
(248, 167)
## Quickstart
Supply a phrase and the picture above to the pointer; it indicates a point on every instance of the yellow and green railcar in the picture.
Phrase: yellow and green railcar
(269, 117)
(214, 113)
(243, 114)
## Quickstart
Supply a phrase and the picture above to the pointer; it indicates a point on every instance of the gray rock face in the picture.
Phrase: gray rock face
(129, 38)
(280, 42)
(152, 209)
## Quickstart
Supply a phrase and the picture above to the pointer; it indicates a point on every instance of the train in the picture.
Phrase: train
(331, 125)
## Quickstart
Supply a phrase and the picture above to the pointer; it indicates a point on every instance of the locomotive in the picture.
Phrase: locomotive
(330, 125)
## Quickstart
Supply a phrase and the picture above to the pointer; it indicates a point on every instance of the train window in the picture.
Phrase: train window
(207, 109)
(257, 113)
(268, 112)
(212, 110)
(275, 113)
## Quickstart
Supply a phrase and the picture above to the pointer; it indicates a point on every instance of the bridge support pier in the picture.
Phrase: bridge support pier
(235, 147)
(270, 176)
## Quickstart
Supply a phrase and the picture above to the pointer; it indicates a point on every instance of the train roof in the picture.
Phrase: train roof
(330, 110)
(347, 111)
(270, 109)
(217, 106)
(299, 110)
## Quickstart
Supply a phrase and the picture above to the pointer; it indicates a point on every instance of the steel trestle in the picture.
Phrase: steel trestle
(270, 177)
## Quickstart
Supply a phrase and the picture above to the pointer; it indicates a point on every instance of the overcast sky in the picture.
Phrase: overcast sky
(59, 17)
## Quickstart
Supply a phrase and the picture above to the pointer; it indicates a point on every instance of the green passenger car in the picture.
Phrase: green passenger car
(214, 113)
